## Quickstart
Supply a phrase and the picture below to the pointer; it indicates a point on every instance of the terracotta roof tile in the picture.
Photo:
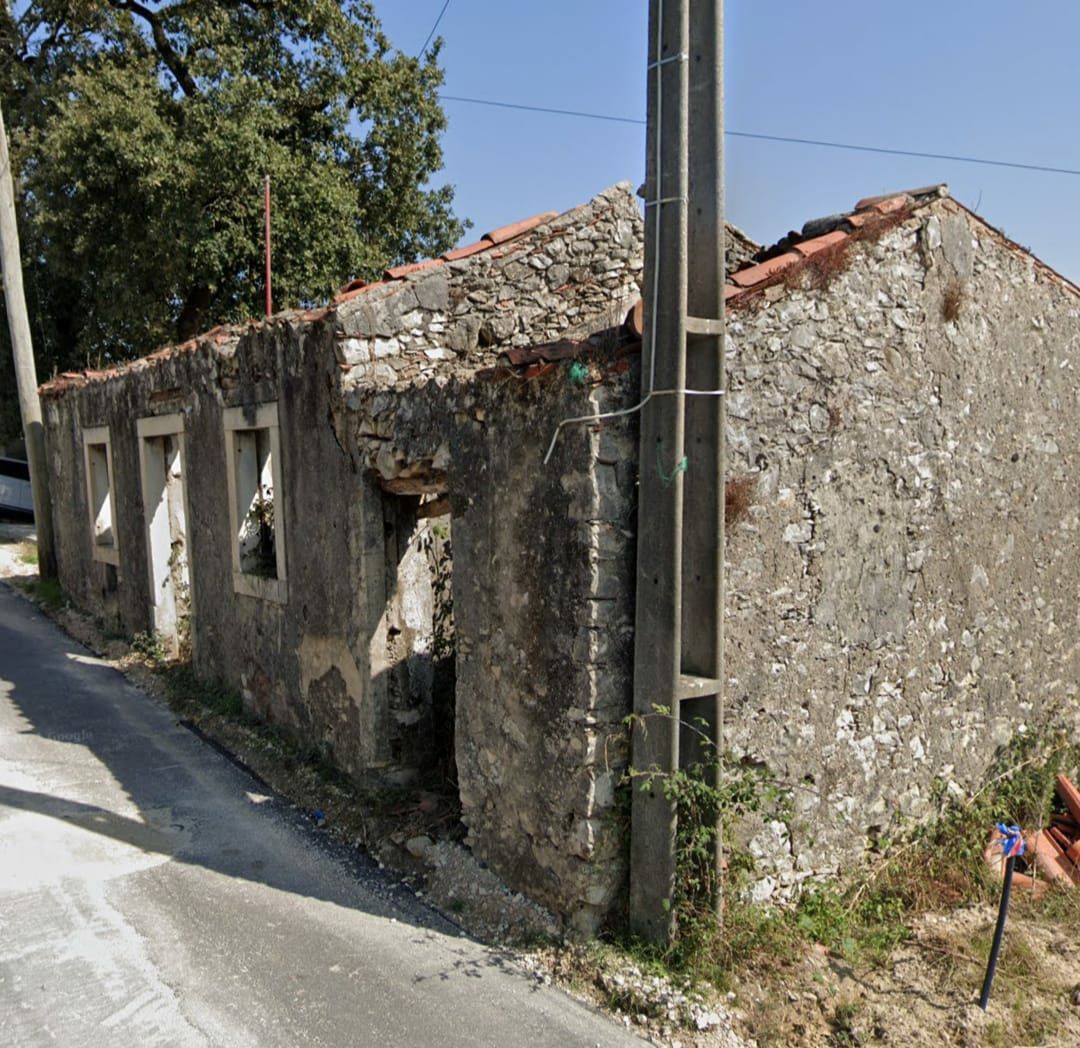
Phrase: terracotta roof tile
(345, 296)
(763, 270)
(515, 229)
(867, 216)
(808, 248)
(467, 250)
(412, 267)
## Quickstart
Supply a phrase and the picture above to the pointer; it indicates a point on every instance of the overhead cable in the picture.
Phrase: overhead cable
(955, 158)
(433, 28)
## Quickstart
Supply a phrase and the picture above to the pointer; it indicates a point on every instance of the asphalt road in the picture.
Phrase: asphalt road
(152, 893)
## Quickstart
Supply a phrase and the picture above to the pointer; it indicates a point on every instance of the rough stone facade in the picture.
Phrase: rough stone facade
(394, 406)
(902, 588)
(901, 568)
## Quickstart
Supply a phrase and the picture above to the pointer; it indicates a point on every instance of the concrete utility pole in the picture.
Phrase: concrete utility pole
(25, 372)
(678, 661)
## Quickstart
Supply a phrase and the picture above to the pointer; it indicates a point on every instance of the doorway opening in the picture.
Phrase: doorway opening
(161, 462)
(420, 646)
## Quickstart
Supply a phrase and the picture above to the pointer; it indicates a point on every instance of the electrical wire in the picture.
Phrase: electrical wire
(822, 143)
(433, 28)
(541, 109)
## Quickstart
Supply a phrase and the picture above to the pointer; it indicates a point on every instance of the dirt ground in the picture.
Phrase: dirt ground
(924, 991)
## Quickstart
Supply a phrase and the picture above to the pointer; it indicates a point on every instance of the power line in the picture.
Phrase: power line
(541, 109)
(907, 152)
(434, 27)
(1045, 168)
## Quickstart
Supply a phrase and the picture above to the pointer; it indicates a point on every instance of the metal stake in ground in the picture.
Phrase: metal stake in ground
(1012, 845)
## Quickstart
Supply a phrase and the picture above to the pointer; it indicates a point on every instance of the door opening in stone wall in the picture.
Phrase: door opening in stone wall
(420, 637)
(161, 463)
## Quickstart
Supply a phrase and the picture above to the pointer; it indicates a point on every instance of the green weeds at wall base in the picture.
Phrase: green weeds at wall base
(46, 592)
(863, 916)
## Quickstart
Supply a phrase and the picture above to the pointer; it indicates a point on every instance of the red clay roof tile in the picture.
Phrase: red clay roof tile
(764, 270)
(883, 204)
(515, 229)
(811, 247)
(345, 296)
(412, 267)
(467, 250)
(885, 207)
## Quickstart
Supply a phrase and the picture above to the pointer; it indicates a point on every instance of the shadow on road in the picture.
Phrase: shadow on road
(194, 806)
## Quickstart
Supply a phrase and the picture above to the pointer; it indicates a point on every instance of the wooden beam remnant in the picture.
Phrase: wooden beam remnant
(430, 482)
(437, 507)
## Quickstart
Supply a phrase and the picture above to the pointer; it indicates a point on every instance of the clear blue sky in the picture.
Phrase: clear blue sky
(976, 79)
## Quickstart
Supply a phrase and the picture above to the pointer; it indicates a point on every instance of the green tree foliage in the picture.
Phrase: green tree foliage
(142, 132)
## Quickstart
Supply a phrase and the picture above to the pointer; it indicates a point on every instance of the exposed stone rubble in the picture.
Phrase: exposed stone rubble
(568, 277)
(402, 390)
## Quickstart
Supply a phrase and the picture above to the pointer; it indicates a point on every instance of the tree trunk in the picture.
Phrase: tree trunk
(192, 320)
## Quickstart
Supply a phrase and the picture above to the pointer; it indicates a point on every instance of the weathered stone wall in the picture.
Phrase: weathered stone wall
(303, 664)
(900, 585)
(383, 386)
(902, 590)
(543, 612)
(566, 278)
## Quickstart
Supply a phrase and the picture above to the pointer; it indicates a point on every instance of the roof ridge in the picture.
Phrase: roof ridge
(870, 217)
(495, 238)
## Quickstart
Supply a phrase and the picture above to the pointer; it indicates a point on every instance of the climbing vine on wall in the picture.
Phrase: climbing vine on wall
(435, 542)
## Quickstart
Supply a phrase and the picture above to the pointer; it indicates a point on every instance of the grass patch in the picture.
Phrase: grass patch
(29, 555)
(48, 593)
(863, 918)
(190, 694)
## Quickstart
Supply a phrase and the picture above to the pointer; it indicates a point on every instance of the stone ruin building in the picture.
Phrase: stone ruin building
(346, 514)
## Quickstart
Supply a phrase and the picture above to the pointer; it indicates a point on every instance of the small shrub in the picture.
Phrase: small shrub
(738, 498)
(151, 646)
(952, 298)
(46, 592)
(824, 267)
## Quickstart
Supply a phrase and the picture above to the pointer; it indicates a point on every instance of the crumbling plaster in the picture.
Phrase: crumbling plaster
(542, 622)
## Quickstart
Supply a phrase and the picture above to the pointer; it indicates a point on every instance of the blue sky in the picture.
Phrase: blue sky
(964, 78)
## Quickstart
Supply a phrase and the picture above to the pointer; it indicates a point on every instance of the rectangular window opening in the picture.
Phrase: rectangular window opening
(255, 503)
(99, 494)
(253, 450)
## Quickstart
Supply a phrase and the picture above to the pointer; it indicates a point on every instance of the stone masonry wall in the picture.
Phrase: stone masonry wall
(902, 590)
(901, 585)
(543, 612)
(567, 278)
(381, 386)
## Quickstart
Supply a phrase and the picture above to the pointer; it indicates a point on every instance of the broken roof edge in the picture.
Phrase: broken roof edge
(215, 340)
(396, 277)
(493, 239)
(832, 234)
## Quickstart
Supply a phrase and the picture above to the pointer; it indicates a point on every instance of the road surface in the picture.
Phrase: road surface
(152, 893)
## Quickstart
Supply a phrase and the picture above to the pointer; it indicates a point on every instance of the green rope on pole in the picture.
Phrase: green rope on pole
(577, 374)
(667, 479)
